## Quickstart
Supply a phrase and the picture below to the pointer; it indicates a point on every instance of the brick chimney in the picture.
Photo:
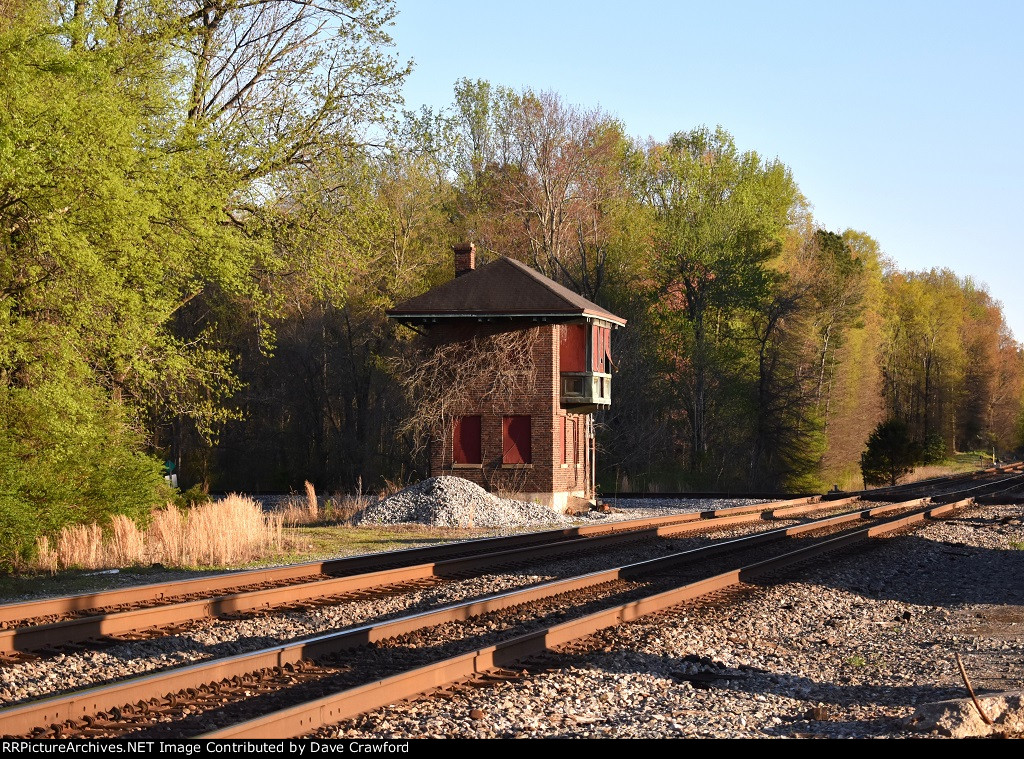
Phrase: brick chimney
(465, 258)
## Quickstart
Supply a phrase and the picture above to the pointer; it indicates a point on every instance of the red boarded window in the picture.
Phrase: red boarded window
(466, 440)
(572, 348)
(515, 432)
(601, 342)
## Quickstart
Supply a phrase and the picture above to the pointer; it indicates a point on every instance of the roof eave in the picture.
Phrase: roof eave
(427, 315)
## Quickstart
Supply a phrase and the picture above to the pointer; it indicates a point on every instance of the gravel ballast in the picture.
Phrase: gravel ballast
(210, 638)
(456, 502)
(847, 649)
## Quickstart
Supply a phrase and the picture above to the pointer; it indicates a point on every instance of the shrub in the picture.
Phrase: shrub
(67, 457)
(934, 449)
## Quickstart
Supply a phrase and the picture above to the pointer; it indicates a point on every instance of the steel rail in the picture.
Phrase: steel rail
(892, 489)
(1008, 496)
(21, 719)
(793, 511)
(226, 580)
(32, 638)
(35, 637)
(157, 592)
(1016, 479)
(301, 719)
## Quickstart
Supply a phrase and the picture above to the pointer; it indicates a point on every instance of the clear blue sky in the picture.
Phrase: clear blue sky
(899, 119)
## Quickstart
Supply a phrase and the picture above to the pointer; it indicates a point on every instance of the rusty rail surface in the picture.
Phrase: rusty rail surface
(363, 563)
(35, 637)
(301, 719)
(23, 718)
(220, 584)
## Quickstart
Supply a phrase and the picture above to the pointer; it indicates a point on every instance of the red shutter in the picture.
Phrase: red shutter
(516, 440)
(572, 348)
(565, 440)
(601, 348)
(466, 440)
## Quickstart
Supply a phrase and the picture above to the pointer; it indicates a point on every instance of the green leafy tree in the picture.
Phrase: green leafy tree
(93, 242)
(154, 163)
(721, 217)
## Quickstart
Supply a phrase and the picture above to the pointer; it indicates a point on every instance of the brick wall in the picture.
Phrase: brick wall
(546, 475)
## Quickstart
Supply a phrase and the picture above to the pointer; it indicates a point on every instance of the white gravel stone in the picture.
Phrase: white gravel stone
(457, 502)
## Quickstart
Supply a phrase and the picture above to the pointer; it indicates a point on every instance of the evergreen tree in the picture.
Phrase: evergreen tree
(890, 454)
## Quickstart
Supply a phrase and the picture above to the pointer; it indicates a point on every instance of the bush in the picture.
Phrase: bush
(196, 495)
(890, 454)
(67, 457)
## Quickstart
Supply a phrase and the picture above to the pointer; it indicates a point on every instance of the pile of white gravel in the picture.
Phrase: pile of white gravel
(455, 502)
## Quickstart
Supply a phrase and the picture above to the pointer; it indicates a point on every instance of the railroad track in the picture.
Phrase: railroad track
(146, 610)
(48, 625)
(271, 680)
(879, 493)
(991, 477)
(294, 689)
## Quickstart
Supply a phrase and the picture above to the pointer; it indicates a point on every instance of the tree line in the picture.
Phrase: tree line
(206, 208)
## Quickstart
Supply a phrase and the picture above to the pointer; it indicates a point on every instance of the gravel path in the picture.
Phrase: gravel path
(848, 650)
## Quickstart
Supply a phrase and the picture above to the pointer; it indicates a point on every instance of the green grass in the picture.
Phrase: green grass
(309, 543)
(855, 661)
(1017, 544)
(968, 460)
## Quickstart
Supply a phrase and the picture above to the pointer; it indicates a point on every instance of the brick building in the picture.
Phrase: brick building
(522, 421)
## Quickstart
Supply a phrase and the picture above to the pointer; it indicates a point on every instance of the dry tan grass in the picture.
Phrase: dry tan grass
(231, 531)
(126, 544)
(338, 509)
(81, 545)
(390, 488)
(46, 558)
(167, 535)
(345, 509)
(926, 472)
(312, 503)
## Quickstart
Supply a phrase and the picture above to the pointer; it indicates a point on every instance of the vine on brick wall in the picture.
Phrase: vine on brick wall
(485, 372)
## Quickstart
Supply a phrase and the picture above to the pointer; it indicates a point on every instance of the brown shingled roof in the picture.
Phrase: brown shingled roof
(503, 287)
